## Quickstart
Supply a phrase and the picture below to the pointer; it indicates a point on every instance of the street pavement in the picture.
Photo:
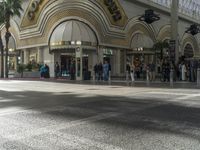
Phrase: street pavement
(59, 115)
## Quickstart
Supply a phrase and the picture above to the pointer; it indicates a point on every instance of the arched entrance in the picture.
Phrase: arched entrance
(74, 45)
(190, 61)
(141, 52)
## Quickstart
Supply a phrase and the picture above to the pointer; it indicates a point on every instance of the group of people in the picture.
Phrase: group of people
(187, 70)
(183, 71)
(135, 70)
(102, 71)
(44, 71)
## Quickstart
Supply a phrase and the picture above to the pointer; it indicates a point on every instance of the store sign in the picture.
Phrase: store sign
(113, 9)
(172, 50)
(107, 52)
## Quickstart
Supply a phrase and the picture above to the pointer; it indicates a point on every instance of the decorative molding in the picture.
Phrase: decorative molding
(187, 38)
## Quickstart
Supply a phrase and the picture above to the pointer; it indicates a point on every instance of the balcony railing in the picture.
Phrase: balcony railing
(189, 8)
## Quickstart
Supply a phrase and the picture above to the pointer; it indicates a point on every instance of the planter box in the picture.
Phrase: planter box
(33, 74)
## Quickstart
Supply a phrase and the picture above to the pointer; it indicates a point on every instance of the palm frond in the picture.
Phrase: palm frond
(9, 8)
(2, 15)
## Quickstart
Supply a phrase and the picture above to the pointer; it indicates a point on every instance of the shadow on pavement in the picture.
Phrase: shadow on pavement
(142, 114)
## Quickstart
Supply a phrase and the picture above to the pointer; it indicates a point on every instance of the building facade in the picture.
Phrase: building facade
(86, 32)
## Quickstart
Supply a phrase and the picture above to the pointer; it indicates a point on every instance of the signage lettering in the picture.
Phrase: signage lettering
(33, 9)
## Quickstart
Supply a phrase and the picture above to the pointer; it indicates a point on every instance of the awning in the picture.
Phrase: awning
(72, 33)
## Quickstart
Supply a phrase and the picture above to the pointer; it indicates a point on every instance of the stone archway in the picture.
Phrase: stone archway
(142, 28)
(164, 33)
(191, 43)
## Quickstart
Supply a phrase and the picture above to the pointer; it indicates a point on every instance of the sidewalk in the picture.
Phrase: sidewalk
(154, 84)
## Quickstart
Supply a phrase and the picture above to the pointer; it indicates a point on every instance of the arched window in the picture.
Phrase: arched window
(188, 51)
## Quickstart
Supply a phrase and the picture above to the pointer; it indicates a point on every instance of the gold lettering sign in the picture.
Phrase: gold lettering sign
(33, 11)
(114, 11)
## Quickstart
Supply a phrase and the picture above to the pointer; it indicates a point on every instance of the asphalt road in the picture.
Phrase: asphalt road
(39, 115)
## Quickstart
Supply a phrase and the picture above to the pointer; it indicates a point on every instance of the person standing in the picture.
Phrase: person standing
(152, 69)
(100, 71)
(132, 72)
(57, 70)
(183, 71)
(72, 70)
(166, 70)
(96, 71)
(42, 71)
(46, 71)
(105, 71)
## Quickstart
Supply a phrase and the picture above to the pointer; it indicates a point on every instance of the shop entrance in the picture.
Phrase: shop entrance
(78, 46)
(68, 67)
(86, 72)
(140, 61)
(67, 62)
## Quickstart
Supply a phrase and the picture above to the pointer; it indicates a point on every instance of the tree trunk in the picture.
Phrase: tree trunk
(6, 57)
(2, 57)
(7, 37)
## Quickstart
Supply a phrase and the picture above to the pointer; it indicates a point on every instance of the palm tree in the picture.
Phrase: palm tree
(1, 43)
(10, 9)
(2, 55)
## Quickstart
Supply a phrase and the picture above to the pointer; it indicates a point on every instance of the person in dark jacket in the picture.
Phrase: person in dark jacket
(57, 70)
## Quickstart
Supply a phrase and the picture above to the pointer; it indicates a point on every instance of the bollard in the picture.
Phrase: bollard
(126, 76)
(171, 77)
(109, 76)
(94, 76)
(147, 76)
(198, 77)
